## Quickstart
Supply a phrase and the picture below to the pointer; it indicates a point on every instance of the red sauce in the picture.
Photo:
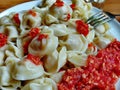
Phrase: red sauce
(25, 46)
(35, 59)
(82, 27)
(16, 19)
(68, 17)
(72, 6)
(101, 72)
(59, 3)
(33, 13)
(34, 32)
(3, 39)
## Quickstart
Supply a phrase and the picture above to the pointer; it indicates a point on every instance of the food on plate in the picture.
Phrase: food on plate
(51, 47)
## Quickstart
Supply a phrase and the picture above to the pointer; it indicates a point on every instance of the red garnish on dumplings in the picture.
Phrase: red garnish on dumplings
(25, 46)
(82, 27)
(3, 39)
(59, 3)
(33, 13)
(34, 32)
(72, 6)
(16, 19)
(68, 17)
(35, 59)
(42, 36)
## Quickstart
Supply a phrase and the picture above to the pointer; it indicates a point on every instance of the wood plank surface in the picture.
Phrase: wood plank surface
(109, 5)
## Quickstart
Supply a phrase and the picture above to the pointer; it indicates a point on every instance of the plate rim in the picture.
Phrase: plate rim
(31, 4)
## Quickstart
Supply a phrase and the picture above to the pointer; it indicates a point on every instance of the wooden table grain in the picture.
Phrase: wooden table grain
(109, 5)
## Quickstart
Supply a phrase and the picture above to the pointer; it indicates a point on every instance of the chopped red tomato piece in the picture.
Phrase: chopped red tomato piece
(25, 46)
(3, 39)
(72, 6)
(82, 27)
(101, 72)
(34, 32)
(33, 13)
(35, 59)
(42, 36)
(68, 17)
(16, 19)
(59, 3)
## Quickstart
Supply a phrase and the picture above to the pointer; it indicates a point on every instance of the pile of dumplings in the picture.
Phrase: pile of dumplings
(63, 48)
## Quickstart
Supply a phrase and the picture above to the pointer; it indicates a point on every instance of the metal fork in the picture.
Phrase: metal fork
(100, 18)
(91, 1)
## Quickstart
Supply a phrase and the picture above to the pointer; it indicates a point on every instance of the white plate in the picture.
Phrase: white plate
(114, 24)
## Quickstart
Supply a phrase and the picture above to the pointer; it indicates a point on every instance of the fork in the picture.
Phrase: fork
(100, 18)
(90, 1)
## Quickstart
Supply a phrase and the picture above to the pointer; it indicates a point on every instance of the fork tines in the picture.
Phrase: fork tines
(98, 18)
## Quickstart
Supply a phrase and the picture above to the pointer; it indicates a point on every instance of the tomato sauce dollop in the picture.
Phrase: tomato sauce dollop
(16, 19)
(82, 27)
(35, 59)
(59, 3)
(3, 39)
(101, 72)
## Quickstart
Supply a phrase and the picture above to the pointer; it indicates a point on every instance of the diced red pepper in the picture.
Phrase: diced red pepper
(25, 46)
(82, 27)
(42, 36)
(72, 6)
(16, 19)
(59, 3)
(34, 32)
(68, 17)
(3, 39)
(33, 13)
(100, 73)
(35, 59)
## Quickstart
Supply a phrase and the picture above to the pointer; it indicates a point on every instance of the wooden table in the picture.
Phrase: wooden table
(109, 5)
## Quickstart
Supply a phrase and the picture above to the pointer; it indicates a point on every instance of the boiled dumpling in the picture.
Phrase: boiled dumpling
(41, 84)
(44, 46)
(51, 62)
(27, 70)
(55, 61)
(31, 19)
(11, 32)
(76, 42)
(77, 59)
(62, 13)
(49, 19)
(6, 79)
(59, 29)
(13, 50)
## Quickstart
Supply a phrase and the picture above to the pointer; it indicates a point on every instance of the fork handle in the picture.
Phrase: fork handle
(97, 1)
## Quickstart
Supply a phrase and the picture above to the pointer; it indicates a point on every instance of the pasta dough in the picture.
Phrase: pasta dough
(41, 84)
(26, 70)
